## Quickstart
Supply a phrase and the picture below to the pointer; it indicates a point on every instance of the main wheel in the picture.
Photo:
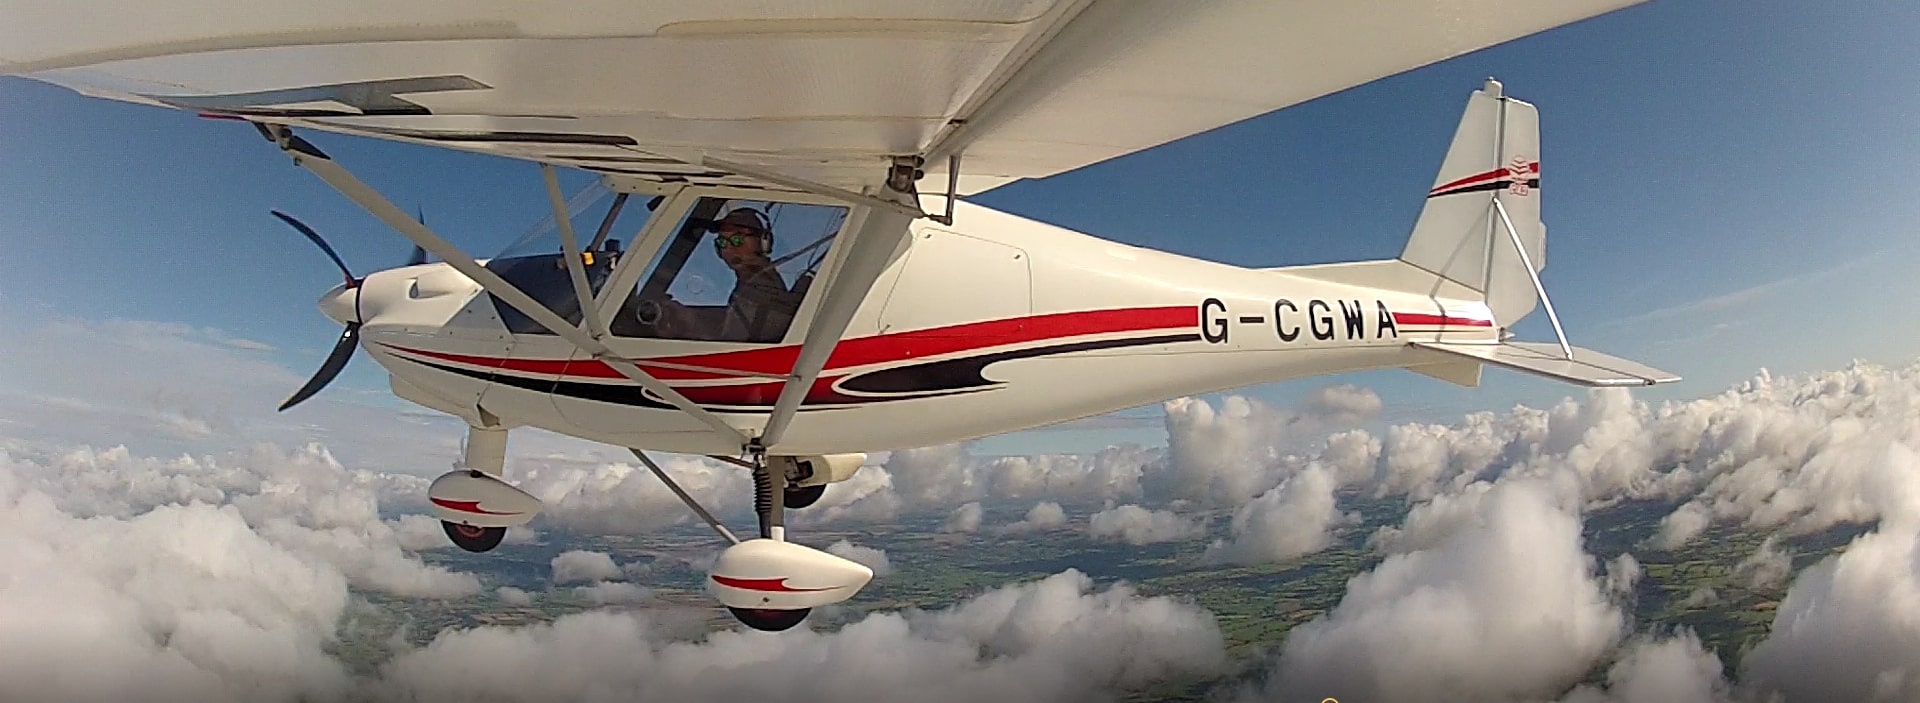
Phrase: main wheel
(474, 539)
(798, 497)
(769, 619)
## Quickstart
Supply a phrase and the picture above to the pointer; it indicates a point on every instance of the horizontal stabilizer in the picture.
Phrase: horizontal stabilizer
(1460, 372)
(1587, 368)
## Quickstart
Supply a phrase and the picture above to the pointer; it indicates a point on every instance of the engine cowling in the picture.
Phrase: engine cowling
(818, 470)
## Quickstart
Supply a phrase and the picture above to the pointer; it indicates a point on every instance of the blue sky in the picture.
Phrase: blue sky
(1728, 186)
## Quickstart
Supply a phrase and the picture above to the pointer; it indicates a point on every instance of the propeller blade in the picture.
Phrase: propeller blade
(322, 243)
(419, 255)
(336, 360)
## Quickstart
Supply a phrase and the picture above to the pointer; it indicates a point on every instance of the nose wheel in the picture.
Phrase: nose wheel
(801, 497)
(769, 619)
(473, 539)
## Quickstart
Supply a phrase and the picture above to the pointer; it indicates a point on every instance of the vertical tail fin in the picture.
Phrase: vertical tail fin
(1492, 166)
(1481, 229)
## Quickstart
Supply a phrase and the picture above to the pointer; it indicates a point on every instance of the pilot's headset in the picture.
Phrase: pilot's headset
(761, 221)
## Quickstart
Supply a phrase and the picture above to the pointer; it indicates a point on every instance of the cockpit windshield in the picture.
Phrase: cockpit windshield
(536, 265)
(732, 270)
(735, 270)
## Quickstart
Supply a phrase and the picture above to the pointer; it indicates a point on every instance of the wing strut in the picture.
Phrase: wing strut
(684, 498)
(307, 156)
(582, 291)
(1539, 289)
(874, 240)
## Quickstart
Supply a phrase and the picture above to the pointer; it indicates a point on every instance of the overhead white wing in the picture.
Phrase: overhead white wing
(827, 90)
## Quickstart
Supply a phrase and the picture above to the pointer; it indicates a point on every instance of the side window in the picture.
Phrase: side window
(536, 265)
(734, 271)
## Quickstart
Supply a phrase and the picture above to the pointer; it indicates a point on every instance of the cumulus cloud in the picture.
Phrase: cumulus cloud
(1766, 568)
(611, 593)
(942, 476)
(965, 518)
(1511, 593)
(1139, 526)
(875, 559)
(576, 565)
(867, 497)
(1699, 597)
(1623, 573)
(1422, 460)
(1849, 627)
(1293, 519)
(513, 596)
(1350, 456)
(1045, 515)
(1799, 457)
(1681, 526)
(1661, 670)
(1345, 403)
(624, 497)
(1222, 456)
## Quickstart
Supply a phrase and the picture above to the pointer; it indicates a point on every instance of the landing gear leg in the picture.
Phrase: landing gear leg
(768, 483)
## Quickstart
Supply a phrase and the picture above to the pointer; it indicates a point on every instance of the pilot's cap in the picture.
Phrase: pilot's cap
(746, 217)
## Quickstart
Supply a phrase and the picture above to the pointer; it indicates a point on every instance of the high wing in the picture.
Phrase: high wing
(713, 92)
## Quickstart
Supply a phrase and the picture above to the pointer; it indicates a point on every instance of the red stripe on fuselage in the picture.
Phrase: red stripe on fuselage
(861, 351)
(1415, 318)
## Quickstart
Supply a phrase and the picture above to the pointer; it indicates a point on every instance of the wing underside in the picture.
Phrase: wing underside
(826, 91)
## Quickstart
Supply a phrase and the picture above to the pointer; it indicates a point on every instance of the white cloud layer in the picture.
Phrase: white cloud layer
(221, 572)
(1056, 639)
(178, 603)
(302, 500)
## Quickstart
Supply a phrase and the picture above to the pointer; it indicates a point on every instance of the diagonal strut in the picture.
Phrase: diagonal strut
(870, 247)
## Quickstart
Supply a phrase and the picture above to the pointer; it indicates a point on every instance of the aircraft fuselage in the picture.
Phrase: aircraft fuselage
(991, 325)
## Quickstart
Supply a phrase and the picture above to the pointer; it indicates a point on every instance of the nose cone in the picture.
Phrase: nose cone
(338, 303)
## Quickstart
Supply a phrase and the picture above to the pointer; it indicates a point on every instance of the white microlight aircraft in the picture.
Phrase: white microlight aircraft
(786, 297)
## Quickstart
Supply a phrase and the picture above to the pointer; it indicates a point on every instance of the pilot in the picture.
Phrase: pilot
(762, 306)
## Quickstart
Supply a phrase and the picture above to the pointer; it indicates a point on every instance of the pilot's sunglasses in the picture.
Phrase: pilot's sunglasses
(737, 238)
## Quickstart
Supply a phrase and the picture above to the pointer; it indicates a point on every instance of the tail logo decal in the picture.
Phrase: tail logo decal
(1519, 177)
(1517, 171)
